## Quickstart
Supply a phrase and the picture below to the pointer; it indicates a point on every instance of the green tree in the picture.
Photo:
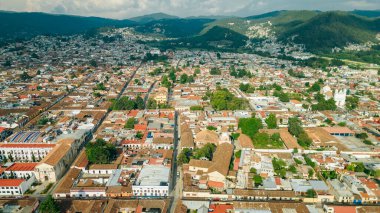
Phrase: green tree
(250, 126)
(279, 167)
(295, 126)
(258, 180)
(284, 97)
(165, 82)
(25, 76)
(271, 121)
(315, 87)
(238, 154)
(247, 88)
(172, 75)
(196, 108)
(49, 205)
(183, 78)
(310, 193)
(212, 128)
(359, 167)
(93, 63)
(7, 63)
(140, 103)
(309, 161)
(184, 156)
(100, 86)
(130, 124)
(152, 104)
(311, 173)
(342, 124)
(297, 161)
(100, 152)
(206, 151)
(292, 169)
(352, 102)
(235, 135)
(304, 140)
(362, 135)
(139, 135)
(222, 99)
(215, 71)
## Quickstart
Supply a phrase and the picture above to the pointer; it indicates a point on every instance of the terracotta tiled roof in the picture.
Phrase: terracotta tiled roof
(200, 163)
(11, 182)
(222, 158)
(245, 141)
(22, 167)
(207, 136)
(58, 152)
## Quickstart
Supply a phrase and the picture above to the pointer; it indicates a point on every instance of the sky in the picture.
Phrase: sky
(121, 9)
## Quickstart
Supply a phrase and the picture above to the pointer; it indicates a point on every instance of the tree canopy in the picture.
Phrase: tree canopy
(124, 103)
(130, 124)
(222, 99)
(352, 102)
(49, 205)
(250, 126)
(271, 121)
(215, 71)
(100, 152)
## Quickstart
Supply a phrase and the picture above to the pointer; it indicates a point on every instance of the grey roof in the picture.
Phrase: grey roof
(114, 178)
(150, 175)
(154, 125)
(202, 209)
(269, 183)
(300, 185)
(312, 209)
(193, 204)
(319, 185)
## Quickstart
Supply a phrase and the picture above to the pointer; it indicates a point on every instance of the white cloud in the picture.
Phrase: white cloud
(129, 8)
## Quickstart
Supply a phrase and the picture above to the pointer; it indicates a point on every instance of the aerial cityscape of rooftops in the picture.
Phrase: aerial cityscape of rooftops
(244, 107)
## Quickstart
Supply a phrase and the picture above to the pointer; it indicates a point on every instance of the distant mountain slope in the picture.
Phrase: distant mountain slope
(265, 15)
(367, 13)
(152, 17)
(174, 28)
(285, 16)
(332, 29)
(215, 38)
(26, 25)
(282, 19)
(210, 17)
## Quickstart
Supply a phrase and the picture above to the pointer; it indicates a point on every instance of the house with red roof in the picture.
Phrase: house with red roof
(221, 208)
(340, 209)
(21, 170)
(14, 187)
(3, 133)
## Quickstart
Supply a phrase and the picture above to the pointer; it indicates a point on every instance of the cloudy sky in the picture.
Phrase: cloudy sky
(130, 8)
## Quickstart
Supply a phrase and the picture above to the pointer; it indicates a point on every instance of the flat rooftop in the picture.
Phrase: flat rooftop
(153, 176)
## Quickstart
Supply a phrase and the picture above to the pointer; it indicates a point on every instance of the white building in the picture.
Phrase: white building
(152, 181)
(340, 97)
(24, 152)
(14, 187)
(21, 170)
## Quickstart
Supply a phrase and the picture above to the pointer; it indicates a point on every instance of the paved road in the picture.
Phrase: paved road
(148, 93)
(175, 186)
(176, 193)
